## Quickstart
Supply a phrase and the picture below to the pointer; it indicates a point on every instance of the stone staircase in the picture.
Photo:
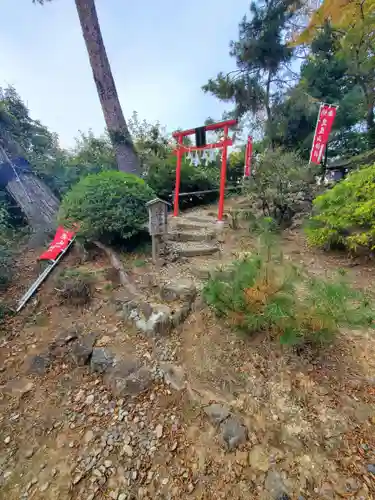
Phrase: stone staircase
(194, 235)
(174, 288)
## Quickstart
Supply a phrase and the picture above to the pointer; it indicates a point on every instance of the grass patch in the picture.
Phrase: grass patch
(268, 294)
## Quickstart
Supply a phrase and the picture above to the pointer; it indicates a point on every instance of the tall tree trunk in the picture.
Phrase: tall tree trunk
(127, 159)
(269, 113)
(36, 201)
(370, 120)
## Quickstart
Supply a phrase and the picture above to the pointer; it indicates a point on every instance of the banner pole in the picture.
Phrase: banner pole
(316, 128)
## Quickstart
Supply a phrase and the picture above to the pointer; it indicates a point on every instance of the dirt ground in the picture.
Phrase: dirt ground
(310, 420)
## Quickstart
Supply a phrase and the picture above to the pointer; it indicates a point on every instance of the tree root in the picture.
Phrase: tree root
(117, 264)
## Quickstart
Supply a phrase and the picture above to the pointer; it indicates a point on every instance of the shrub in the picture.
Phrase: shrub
(345, 215)
(282, 185)
(107, 206)
(74, 287)
(266, 294)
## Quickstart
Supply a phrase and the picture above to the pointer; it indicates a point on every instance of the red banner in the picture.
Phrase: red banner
(326, 118)
(248, 153)
(59, 243)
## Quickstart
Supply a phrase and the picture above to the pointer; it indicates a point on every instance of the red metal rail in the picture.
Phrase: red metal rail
(213, 126)
(223, 144)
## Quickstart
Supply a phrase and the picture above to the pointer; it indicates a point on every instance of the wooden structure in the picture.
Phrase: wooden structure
(157, 224)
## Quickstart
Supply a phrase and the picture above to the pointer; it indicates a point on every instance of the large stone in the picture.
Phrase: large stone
(234, 432)
(82, 349)
(159, 323)
(18, 387)
(101, 360)
(195, 250)
(174, 376)
(259, 458)
(217, 413)
(179, 316)
(63, 339)
(182, 289)
(192, 235)
(275, 486)
(127, 379)
(39, 364)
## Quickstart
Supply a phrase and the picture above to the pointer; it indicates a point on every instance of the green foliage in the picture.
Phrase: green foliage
(261, 55)
(267, 294)
(345, 215)
(282, 186)
(323, 78)
(6, 251)
(107, 206)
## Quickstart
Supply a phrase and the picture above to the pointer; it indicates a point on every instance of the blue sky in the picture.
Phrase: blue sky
(161, 53)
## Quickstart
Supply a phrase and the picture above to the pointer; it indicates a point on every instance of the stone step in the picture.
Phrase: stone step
(182, 223)
(192, 235)
(195, 250)
(201, 219)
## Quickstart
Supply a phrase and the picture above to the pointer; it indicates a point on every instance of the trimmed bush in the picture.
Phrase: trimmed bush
(266, 294)
(345, 215)
(108, 206)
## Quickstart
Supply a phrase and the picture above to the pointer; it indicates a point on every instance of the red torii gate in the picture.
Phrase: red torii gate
(223, 144)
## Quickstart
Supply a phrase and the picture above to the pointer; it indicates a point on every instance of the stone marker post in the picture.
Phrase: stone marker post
(157, 224)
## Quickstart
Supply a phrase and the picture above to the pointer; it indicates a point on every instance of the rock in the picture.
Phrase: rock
(90, 399)
(275, 486)
(159, 431)
(127, 379)
(18, 387)
(7, 440)
(39, 364)
(103, 341)
(89, 436)
(29, 453)
(371, 468)
(44, 487)
(82, 349)
(128, 450)
(62, 340)
(190, 488)
(199, 304)
(182, 289)
(122, 496)
(217, 413)
(174, 376)
(259, 459)
(107, 464)
(179, 316)
(145, 308)
(101, 360)
(159, 322)
(174, 446)
(233, 432)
